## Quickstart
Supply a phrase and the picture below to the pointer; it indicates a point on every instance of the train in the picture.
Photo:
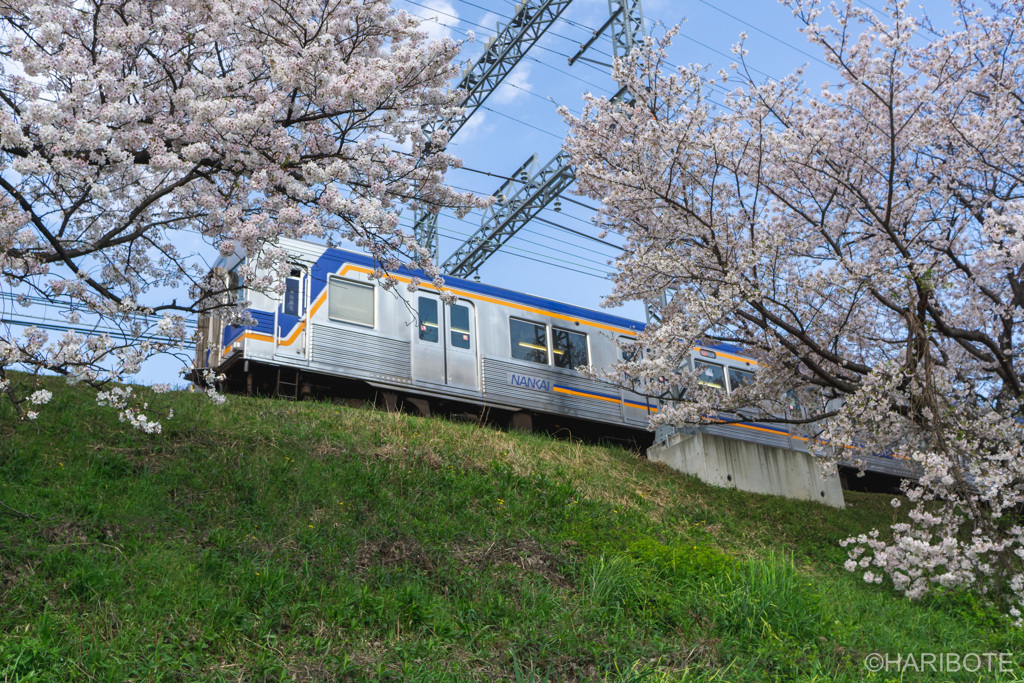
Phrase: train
(493, 354)
(336, 331)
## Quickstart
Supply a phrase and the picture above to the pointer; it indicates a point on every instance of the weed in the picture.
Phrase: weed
(304, 541)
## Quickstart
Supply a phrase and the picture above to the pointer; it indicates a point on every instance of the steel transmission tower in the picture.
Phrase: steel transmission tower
(501, 54)
(518, 201)
(627, 27)
(531, 188)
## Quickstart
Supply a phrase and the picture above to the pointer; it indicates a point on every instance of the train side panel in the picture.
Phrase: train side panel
(335, 319)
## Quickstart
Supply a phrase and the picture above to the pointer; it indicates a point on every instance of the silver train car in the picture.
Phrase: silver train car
(336, 331)
(511, 356)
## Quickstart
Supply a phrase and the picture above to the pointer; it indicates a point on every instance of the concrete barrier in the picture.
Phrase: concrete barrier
(749, 467)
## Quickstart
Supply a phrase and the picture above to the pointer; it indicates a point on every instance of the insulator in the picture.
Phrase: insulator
(558, 205)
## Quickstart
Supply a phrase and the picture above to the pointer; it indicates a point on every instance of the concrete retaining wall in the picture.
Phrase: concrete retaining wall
(749, 467)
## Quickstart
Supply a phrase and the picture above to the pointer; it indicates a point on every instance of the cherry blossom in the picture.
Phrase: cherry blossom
(863, 239)
(134, 132)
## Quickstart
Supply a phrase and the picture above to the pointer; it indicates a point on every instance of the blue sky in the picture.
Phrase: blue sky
(519, 119)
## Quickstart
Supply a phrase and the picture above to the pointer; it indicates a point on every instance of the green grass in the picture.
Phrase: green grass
(273, 540)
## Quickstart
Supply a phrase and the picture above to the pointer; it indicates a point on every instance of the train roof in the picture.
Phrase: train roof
(325, 265)
(325, 259)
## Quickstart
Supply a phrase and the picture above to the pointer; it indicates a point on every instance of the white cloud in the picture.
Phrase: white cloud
(438, 16)
(490, 22)
(472, 51)
(515, 85)
(472, 129)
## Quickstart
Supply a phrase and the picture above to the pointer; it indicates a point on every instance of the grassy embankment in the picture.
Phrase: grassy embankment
(273, 540)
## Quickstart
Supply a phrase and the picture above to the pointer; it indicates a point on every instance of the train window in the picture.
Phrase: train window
(529, 341)
(627, 348)
(428, 319)
(293, 292)
(235, 281)
(350, 302)
(569, 348)
(739, 378)
(710, 374)
(459, 316)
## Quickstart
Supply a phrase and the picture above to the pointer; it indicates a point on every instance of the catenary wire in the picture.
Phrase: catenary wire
(543, 246)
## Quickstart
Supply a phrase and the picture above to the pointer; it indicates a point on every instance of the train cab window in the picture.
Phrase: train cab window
(739, 378)
(350, 302)
(428, 319)
(529, 341)
(459, 316)
(235, 282)
(569, 348)
(710, 374)
(627, 348)
(293, 292)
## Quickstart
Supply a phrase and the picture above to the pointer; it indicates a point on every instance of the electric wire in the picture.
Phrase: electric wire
(600, 275)
(561, 54)
(505, 177)
(55, 326)
(467, 236)
(547, 32)
(580, 234)
(67, 305)
(521, 122)
(586, 206)
(552, 67)
(549, 222)
(527, 55)
(574, 112)
(764, 33)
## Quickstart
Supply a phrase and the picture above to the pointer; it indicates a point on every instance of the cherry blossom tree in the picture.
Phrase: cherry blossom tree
(865, 239)
(133, 130)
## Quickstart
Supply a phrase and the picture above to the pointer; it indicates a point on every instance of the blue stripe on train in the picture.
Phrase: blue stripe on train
(332, 260)
(264, 325)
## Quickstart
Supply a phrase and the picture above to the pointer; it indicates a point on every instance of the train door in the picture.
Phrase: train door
(444, 343)
(290, 328)
(428, 340)
(635, 407)
(461, 345)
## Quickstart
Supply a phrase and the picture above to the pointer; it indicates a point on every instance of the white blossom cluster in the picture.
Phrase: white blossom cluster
(138, 420)
(40, 397)
(131, 128)
(865, 241)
